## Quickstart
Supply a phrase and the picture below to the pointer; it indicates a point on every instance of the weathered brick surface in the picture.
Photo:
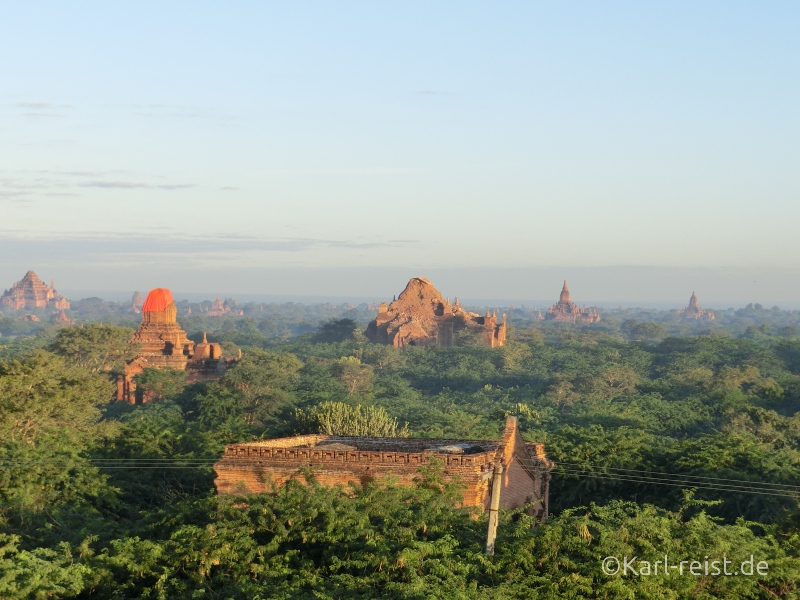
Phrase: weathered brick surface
(421, 317)
(256, 467)
(163, 344)
(32, 292)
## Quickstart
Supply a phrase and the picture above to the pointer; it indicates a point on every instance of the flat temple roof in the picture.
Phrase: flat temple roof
(414, 445)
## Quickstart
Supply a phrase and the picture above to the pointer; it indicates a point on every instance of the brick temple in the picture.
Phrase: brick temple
(695, 311)
(63, 319)
(421, 317)
(219, 308)
(256, 467)
(31, 292)
(136, 303)
(566, 310)
(163, 345)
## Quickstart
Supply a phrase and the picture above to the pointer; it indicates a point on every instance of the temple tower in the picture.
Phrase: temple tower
(163, 344)
(566, 310)
(565, 297)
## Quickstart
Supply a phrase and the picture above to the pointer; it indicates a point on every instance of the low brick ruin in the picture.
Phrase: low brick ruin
(257, 467)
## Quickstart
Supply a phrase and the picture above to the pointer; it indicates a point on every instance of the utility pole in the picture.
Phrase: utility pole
(494, 507)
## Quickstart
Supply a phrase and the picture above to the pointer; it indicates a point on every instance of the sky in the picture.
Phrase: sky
(640, 150)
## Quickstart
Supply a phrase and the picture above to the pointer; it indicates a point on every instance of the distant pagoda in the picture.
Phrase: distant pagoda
(695, 311)
(136, 303)
(419, 316)
(566, 310)
(31, 292)
(63, 319)
(219, 308)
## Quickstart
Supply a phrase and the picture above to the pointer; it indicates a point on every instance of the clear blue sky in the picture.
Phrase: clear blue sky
(247, 147)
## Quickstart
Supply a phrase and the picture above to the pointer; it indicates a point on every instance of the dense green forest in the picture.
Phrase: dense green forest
(668, 437)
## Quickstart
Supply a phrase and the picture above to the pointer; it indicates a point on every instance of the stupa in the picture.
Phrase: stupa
(159, 336)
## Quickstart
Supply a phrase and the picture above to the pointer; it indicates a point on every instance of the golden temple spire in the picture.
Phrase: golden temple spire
(565, 297)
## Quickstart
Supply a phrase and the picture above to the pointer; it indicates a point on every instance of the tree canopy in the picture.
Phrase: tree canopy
(685, 445)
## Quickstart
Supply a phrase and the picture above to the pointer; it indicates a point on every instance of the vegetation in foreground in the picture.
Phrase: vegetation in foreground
(114, 501)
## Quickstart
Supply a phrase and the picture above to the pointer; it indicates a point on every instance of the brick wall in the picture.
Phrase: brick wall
(257, 467)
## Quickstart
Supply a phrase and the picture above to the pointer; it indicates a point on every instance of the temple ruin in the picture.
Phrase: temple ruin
(421, 317)
(63, 319)
(219, 308)
(566, 310)
(31, 292)
(163, 344)
(136, 303)
(258, 467)
(695, 311)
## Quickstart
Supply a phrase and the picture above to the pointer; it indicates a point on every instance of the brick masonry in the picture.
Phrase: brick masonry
(163, 344)
(255, 467)
(421, 317)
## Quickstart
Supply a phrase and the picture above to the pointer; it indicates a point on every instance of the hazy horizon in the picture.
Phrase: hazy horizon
(640, 151)
(604, 286)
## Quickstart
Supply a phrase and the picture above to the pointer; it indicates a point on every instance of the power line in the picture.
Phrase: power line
(119, 463)
(611, 473)
(674, 480)
(671, 480)
(681, 475)
(717, 488)
(575, 468)
(687, 480)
